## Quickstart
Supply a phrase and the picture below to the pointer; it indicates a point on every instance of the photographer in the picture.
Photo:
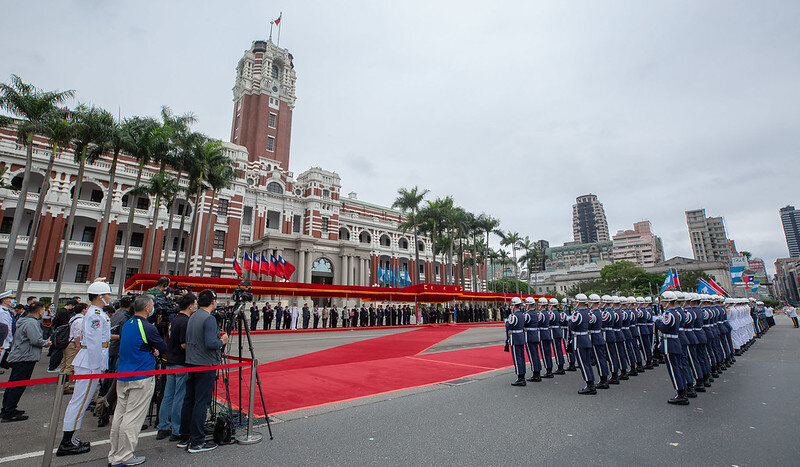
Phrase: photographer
(139, 344)
(160, 290)
(169, 414)
(202, 349)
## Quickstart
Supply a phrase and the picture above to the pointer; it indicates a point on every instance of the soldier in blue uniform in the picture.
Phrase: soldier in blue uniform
(532, 340)
(579, 327)
(598, 340)
(628, 328)
(607, 326)
(514, 327)
(699, 352)
(617, 323)
(556, 326)
(545, 336)
(625, 315)
(635, 337)
(645, 323)
(565, 314)
(668, 326)
(686, 336)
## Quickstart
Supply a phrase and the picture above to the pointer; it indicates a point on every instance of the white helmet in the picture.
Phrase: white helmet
(639, 300)
(553, 301)
(648, 300)
(542, 301)
(530, 300)
(759, 302)
(728, 301)
(606, 298)
(669, 296)
(581, 298)
(679, 295)
(751, 299)
(631, 300)
(516, 301)
(594, 298)
(98, 288)
(616, 299)
(717, 297)
(564, 300)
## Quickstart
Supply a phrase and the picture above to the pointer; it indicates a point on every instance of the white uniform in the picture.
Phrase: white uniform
(92, 358)
(7, 318)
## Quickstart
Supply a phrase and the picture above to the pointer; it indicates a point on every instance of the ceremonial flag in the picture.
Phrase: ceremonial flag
(247, 265)
(706, 288)
(256, 265)
(717, 288)
(670, 282)
(736, 273)
(288, 268)
(236, 267)
(380, 274)
(277, 267)
(277, 21)
(406, 279)
(266, 266)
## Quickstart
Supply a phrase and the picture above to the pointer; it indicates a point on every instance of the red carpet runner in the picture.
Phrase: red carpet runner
(366, 368)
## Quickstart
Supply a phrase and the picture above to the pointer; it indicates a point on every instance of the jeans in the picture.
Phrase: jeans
(199, 388)
(55, 359)
(169, 414)
(19, 371)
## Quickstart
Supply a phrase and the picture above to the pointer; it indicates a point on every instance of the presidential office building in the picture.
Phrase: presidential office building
(329, 238)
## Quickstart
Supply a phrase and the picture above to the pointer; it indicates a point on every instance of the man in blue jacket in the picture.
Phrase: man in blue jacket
(139, 345)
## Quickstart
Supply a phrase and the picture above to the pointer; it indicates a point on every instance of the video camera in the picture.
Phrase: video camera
(226, 314)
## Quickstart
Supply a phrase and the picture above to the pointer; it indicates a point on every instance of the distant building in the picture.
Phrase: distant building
(756, 266)
(732, 248)
(638, 246)
(787, 279)
(541, 262)
(790, 218)
(589, 224)
(707, 235)
(576, 254)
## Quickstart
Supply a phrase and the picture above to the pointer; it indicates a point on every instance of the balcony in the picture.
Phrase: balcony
(88, 204)
(76, 246)
(22, 240)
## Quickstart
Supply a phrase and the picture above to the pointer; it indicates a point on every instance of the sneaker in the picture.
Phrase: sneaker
(135, 460)
(16, 417)
(56, 370)
(208, 446)
(184, 443)
(162, 434)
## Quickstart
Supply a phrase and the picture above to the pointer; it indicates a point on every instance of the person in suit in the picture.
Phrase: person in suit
(306, 316)
(278, 316)
(254, 315)
(268, 313)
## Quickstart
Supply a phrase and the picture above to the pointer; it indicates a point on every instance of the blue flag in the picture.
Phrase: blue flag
(705, 287)
(670, 282)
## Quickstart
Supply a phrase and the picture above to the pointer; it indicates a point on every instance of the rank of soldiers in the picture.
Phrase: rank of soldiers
(696, 336)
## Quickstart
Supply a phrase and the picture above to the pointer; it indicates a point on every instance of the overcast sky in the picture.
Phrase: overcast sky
(514, 108)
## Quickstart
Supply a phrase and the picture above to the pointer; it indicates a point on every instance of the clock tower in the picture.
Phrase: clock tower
(263, 100)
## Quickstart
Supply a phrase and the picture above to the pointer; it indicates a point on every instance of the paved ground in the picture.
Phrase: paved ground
(748, 418)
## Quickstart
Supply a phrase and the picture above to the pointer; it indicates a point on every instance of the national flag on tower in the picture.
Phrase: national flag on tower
(247, 264)
(266, 266)
(288, 268)
(236, 267)
(277, 21)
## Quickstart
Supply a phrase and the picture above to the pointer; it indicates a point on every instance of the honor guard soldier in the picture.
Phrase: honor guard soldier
(645, 322)
(628, 327)
(689, 342)
(546, 336)
(668, 326)
(618, 323)
(516, 338)
(637, 314)
(565, 315)
(607, 326)
(92, 358)
(598, 340)
(532, 339)
(700, 353)
(579, 327)
(557, 327)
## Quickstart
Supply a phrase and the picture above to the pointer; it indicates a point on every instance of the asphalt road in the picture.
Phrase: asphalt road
(747, 418)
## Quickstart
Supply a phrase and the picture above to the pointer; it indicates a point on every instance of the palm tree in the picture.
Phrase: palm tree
(491, 256)
(529, 248)
(33, 106)
(511, 239)
(160, 186)
(487, 224)
(139, 134)
(92, 133)
(220, 176)
(208, 154)
(409, 201)
(118, 134)
(504, 259)
(58, 129)
(431, 222)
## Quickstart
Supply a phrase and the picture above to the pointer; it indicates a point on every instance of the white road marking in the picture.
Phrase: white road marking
(28, 455)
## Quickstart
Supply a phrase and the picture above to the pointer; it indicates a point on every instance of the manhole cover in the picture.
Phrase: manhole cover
(457, 382)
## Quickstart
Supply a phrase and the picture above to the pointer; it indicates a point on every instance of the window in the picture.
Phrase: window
(97, 196)
(119, 238)
(404, 244)
(247, 216)
(82, 273)
(111, 274)
(270, 144)
(142, 202)
(5, 226)
(274, 187)
(326, 194)
(222, 207)
(276, 72)
(273, 220)
(219, 239)
(422, 269)
(344, 234)
(421, 247)
(216, 271)
(88, 234)
(175, 243)
(130, 272)
(137, 240)
(296, 221)
(324, 225)
(273, 120)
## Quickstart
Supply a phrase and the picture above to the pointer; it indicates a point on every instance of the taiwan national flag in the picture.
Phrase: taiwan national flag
(716, 287)
(256, 265)
(278, 21)
(288, 268)
(670, 282)
(266, 266)
(247, 264)
(236, 267)
(277, 267)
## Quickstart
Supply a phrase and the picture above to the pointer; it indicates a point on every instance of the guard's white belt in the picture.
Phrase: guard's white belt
(594, 331)
(608, 329)
(516, 331)
(670, 336)
(529, 329)
(579, 333)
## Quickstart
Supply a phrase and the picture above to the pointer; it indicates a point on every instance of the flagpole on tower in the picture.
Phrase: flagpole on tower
(270, 30)
(279, 29)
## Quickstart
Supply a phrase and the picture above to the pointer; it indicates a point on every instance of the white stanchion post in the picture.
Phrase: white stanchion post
(251, 437)
(55, 415)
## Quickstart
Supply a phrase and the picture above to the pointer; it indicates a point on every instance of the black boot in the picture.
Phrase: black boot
(614, 378)
(633, 372)
(624, 375)
(603, 383)
(571, 367)
(698, 387)
(690, 392)
(535, 377)
(549, 373)
(589, 389)
(707, 382)
(639, 368)
(560, 370)
(649, 365)
(680, 398)
(71, 446)
(520, 381)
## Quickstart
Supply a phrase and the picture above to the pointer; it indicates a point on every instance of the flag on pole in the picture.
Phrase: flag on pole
(277, 267)
(266, 266)
(380, 274)
(704, 287)
(247, 265)
(677, 280)
(236, 267)
(277, 21)
(256, 265)
(716, 287)
(288, 268)
(670, 282)
(736, 273)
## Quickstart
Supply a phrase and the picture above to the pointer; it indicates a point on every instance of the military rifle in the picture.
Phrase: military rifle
(508, 339)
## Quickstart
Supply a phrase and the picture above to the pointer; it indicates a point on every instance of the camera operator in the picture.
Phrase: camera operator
(160, 290)
(169, 414)
(202, 349)
(139, 345)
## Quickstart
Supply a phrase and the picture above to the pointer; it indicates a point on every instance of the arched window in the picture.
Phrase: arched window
(403, 244)
(364, 237)
(344, 234)
(386, 241)
(322, 265)
(275, 187)
(421, 246)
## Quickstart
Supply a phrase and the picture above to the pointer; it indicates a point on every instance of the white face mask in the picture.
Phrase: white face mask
(104, 300)
(152, 310)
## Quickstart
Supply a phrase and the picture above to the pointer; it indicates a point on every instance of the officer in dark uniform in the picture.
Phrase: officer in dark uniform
(607, 326)
(699, 353)
(364, 315)
(545, 336)
(627, 318)
(334, 316)
(516, 335)
(669, 326)
(622, 351)
(644, 321)
(373, 316)
(532, 338)
(597, 339)
(267, 312)
(634, 326)
(556, 329)
(579, 327)
(688, 341)
(564, 315)
(278, 316)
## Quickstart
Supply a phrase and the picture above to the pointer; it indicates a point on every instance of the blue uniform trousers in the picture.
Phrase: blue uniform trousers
(547, 354)
(623, 355)
(558, 348)
(633, 351)
(694, 362)
(584, 355)
(532, 349)
(518, 356)
(723, 339)
(613, 356)
(601, 358)
(676, 375)
(647, 346)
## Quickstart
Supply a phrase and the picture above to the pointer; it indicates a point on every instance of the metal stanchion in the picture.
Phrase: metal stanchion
(251, 437)
(54, 417)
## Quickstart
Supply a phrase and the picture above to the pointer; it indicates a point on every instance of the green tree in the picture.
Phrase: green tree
(488, 224)
(690, 279)
(220, 175)
(409, 200)
(511, 239)
(33, 106)
(432, 219)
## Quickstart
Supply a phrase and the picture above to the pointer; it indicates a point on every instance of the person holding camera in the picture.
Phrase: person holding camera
(160, 290)
(169, 414)
(203, 344)
(139, 344)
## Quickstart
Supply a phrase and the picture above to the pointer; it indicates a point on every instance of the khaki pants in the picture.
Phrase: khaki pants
(70, 351)
(133, 399)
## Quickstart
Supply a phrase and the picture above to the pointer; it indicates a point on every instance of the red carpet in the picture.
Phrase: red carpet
(367, 368)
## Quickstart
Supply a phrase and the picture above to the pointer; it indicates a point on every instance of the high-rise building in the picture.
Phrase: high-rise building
(707, 235)
(589, 224)
(790, 218)
(263, 101)
(541, 260)
(638, 246)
